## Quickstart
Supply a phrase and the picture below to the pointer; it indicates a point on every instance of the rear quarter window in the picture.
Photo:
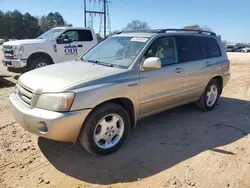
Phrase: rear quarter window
(189, 48)
(211, 48)
(85, 35)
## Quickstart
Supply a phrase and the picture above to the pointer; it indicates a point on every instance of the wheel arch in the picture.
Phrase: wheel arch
(37, 55)
(127, 104)
(219, 79)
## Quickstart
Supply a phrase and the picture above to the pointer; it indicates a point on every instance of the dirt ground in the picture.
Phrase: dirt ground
(183, 147)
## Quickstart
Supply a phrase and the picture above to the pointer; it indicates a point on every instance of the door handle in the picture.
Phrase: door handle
(79, 45)
(178, 70)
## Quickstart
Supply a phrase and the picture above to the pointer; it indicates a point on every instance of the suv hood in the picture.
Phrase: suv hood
(22, 42)
(58, 77)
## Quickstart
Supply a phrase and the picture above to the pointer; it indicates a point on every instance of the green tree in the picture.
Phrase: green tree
(58, 19)
(30, 26)
(2, 25)
(52, 20)
(15, 25)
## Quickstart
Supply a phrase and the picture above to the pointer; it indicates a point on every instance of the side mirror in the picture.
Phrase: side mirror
(151, 63)
(63, 40)
(59, 40)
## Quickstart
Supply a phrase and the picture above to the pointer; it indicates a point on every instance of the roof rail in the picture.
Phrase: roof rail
(187, 30)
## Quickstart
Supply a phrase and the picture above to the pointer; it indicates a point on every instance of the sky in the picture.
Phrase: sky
(228, 18)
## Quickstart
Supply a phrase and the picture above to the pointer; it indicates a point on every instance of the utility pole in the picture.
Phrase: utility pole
(85, 14)
(104, 5)
(91, 12)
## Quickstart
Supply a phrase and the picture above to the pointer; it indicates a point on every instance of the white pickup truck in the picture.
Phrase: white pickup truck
(54, 46)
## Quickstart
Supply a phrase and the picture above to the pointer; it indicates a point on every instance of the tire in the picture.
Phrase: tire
(203, 103)
(38, 63)
(98, 127)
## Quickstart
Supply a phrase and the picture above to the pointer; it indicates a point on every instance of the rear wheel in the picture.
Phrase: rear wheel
(210, 96)
(105, 130)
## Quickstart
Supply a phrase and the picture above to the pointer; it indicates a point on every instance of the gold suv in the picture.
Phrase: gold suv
(99, 97)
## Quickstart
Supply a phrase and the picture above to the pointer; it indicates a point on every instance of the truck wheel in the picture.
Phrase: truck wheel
(210, 96)
(105, 130)
(38, 63)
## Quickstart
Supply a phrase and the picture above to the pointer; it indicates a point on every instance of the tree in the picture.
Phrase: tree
(15, 25)
(192, 27)
(58, 19)
(136, 24)
(198, 27)
(44, 24)
(99, 38)
(52, 20)
(30, 26)
(2, 25)
(113, 33)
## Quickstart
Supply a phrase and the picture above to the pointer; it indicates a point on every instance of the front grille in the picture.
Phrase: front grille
(8, 52)
(24, 94)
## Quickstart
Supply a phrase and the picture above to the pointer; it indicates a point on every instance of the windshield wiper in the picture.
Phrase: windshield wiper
(99, 63)
(105, 64)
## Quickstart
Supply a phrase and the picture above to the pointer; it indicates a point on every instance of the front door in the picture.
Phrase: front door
(74, 44)
(161, 88)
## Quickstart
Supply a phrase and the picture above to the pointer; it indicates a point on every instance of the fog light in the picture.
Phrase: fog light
(42, 127)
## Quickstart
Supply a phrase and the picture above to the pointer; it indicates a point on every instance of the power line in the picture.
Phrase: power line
(104, 16)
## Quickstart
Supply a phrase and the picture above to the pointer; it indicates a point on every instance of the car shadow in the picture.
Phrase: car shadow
(158, 143)
(16, 70)
(4, 83)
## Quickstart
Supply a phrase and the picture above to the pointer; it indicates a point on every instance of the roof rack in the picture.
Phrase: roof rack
(140, 31)
(158, 31)
(187, 30)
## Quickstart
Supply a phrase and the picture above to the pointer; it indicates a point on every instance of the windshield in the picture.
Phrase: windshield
(116, 51)
(50, 34)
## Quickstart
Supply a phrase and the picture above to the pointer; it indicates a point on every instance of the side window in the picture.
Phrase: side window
(72, 35)
(189, 48)
(211, 47)
(78, 35)
(85, 35)
(165, 49)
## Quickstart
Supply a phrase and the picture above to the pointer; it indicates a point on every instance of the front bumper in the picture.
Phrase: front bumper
(14, 63)
(60, 126)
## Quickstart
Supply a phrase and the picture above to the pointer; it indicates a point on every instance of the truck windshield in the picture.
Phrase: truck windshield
(50, 34)
(116, 51)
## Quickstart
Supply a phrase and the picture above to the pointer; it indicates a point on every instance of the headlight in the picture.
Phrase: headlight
(60, 102)
(18, 51)
(21, 50)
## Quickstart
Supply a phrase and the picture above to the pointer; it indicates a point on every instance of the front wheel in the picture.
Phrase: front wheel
(38, 63)
(105, 130)
(210, 96)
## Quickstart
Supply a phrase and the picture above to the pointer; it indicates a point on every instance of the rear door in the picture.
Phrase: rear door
(82, 40)
(194, 64)
(199, 55)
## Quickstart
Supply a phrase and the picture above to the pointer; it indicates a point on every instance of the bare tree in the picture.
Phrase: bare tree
(198, 27)
(136, 24)
(192, 27)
